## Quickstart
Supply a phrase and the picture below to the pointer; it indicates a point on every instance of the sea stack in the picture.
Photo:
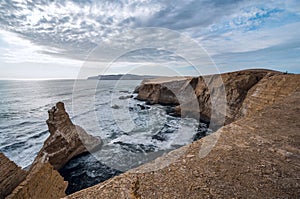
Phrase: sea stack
(66, 140)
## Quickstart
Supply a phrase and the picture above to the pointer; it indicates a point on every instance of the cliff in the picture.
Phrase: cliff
(255, 156)
(66, 141)
(193, 95)
(42, 182)
(11, 176)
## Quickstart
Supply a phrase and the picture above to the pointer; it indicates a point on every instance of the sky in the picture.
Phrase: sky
(48, 39)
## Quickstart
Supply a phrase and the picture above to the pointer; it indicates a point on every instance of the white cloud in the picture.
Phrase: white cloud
(19, 50)
(66, 31)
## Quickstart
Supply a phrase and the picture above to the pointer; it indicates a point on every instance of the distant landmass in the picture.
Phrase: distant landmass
(122, 77)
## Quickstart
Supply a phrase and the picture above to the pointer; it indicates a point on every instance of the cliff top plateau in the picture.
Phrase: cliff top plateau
(256, 155)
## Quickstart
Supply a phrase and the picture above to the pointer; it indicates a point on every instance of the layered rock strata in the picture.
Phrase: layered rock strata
(194, 95)
(42, 182)
(11, 176)
(256, 156)
(66, 140)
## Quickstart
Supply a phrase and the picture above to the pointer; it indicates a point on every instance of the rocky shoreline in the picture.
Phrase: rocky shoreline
(42, 180)
(255, 149)
(256, 154)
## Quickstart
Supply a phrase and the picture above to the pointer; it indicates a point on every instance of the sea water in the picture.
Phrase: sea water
(132, 132)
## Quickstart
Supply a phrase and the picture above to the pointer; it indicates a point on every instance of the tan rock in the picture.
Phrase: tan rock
(42, 182)
(269, 90)
(255, 157)
(11, 176)
(186, 92)
(66, 140)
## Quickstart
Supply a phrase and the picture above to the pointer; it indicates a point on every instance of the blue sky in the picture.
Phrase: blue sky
(54, 39)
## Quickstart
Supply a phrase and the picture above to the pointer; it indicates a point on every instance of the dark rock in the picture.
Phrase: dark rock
(115, 106)
(85, 171)
(159, 136)
(143, 107)
(136, 148)
(125, 97)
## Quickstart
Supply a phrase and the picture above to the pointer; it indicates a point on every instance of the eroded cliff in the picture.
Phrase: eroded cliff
(256, 156)
(66, 141)
(185, 93)
(11, 176)
(42, 182)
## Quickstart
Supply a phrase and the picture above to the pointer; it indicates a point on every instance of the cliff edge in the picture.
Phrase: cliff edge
(66, 141)
(11, 176)
(257, 155)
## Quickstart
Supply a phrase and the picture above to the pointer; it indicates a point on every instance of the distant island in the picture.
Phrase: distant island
(122, 77)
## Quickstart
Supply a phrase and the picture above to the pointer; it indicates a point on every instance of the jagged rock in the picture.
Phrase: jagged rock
(11, 176)
(42, 182)
(256, 156)
(162, 91)
(143, 107)
(66, 140)
(171, 92)
(159, 136)
(136, 148)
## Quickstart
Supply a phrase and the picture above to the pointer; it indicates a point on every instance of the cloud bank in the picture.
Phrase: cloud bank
(236, 34)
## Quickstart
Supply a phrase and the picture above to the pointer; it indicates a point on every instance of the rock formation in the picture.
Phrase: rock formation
(42, 182)
(66, 140)
(255, 156)
(269, 90)
(171, 92)
(11, 176)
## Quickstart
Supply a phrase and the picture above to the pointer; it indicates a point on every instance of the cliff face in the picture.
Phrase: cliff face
(269, 90)
(42, 182)
(236, 86)
(11, 176)
(162, 90)
(256, 156)
(66, 140)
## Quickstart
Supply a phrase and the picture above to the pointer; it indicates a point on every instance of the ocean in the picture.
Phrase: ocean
(133, 132)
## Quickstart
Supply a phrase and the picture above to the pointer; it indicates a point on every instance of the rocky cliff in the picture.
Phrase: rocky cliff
(11, 176)
(194, 95)
(42, 182)
(66, 140)
(255, 156)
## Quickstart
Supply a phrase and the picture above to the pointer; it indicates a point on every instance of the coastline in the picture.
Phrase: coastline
(252, 96)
